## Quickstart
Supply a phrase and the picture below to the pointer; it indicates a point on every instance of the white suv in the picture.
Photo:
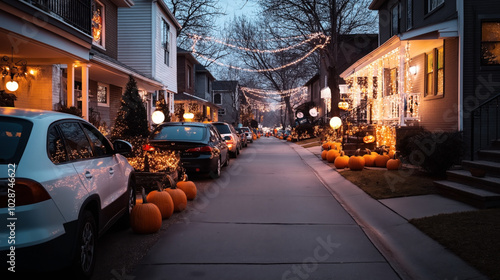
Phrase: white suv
(249, 134)
(62, 184)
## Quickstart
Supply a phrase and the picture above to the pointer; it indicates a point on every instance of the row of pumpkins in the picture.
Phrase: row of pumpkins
(147, 215)
(332, 152)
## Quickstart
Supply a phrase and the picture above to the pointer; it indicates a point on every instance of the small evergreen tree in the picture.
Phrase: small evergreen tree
(131, 121)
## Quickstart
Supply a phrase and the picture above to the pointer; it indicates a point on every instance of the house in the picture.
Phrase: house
(194, 84)
(226, 94)
(71, 59)
(351, 48)
(147, 39)
(436, 68)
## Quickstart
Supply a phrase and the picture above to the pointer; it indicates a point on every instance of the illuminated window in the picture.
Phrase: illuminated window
(102, 95)
(434, 72)
(490, 43)
(98, 23)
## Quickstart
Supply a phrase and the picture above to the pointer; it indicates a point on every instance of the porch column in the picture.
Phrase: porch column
(402, 84)
(70, 85)
(85, 91)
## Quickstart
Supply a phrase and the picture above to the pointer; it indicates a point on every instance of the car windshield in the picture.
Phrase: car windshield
(223, 128)
(179, 133)
(14, 134)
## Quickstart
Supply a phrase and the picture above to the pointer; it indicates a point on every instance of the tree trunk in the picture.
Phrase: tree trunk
(289, 111)
(333, 84)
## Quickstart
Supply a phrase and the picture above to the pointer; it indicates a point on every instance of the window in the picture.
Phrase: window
(165, 41)
(433, 4)
(395, 16)
(55, 144)
(222, 112)
(409, 14)
(490, 43)
(76, 142)
(102, 95)
(188, 75)
(217, 99)
(390, 81)
(101, 145)
(98, 26)
(14, 134)
(434, 72)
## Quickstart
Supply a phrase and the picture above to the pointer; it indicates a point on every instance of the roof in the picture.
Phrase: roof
(170, 15)
(225, 85)
(376, 4)
(189, 97)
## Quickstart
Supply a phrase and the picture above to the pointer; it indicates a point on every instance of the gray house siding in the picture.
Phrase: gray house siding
(135, 36)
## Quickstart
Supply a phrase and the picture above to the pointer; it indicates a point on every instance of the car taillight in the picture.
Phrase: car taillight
(25, 192)
(147, 147)
(200, 149)
(229, 139)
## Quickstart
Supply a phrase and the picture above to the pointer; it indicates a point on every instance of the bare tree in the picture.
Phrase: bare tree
(331, 17)
(198, 17)
(258, 35)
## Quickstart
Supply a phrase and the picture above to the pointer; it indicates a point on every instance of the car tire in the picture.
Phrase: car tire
(226, 163)
(216, 172)
(124, 221)
(237, 151)
(84, 261)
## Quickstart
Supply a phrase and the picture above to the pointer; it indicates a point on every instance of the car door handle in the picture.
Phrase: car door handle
(111, 171)
(88, 175)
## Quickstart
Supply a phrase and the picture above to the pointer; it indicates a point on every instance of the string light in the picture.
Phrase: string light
(319, 46)
(197, 38)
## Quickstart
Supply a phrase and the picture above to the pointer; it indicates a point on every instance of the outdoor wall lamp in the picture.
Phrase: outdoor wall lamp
(413, 70)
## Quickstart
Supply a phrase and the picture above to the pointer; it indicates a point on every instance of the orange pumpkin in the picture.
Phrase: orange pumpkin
(326, 146)
(323, 154)
(369, 138)
(336, 145)
(393, 164)
(356, 163)
(331, 155)
(381, 160)
(369, 158)
(163, 201)
(342, 161)
(189, 188)
(145, 217)
(179, 198)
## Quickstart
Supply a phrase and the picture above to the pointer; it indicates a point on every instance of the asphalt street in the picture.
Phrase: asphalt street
(268, 217)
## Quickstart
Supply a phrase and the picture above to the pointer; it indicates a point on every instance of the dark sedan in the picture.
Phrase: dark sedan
(201, 147)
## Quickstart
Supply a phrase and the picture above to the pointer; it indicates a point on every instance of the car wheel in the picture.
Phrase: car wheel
(226, 162)
(86, 245)
(124, 221)
(216, 172)
(237, 151)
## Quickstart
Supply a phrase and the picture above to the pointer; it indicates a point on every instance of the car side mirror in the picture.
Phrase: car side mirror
(122, 147)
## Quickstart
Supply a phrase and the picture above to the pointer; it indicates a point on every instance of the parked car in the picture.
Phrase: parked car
(243, 136)
(249, 134)
(230, 135)
(202, 149)
(71, 185)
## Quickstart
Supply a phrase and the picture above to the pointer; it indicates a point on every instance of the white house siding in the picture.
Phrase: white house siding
(135, 36)
(167, 74)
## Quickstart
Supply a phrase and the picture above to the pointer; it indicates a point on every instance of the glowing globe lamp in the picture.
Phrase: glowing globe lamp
(335, 122)
(313, 112)
(12, 85)
(158, 117)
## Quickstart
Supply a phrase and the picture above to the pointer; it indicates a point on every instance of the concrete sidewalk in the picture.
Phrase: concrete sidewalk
(410, 252)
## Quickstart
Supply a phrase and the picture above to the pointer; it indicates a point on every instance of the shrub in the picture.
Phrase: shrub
(434, 152)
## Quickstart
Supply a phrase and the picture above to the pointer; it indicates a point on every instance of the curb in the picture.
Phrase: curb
(411, 253)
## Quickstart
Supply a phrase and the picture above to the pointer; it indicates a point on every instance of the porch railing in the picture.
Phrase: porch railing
(358, 114)
(77, 13)
(485, 124)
